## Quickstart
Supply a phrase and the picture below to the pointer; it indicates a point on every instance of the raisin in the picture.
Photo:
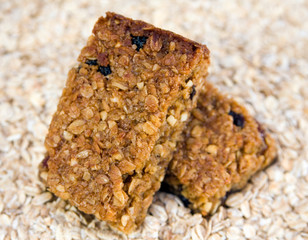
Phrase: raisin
(104, 70)
(44, 162)
(139, 41)
(184, 200)
(193, 92)
(91, 62)
(238, 119)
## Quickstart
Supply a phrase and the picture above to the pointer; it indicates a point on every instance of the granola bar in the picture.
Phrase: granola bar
(221, 148)
(119, 118)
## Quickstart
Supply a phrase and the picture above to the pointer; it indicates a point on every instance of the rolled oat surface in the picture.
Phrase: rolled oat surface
(259, 56)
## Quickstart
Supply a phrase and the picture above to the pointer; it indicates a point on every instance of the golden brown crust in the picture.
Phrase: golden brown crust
(119, 118)
(222, 147)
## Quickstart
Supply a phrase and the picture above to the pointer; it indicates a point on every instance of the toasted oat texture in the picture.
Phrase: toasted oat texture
(222, 147)
(119, 118)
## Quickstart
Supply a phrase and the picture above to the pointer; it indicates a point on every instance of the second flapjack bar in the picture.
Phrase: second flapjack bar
(221, 148)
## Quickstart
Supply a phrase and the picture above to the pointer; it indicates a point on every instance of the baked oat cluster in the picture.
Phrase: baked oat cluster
(119, 118)
(125, 113)
(221, 148)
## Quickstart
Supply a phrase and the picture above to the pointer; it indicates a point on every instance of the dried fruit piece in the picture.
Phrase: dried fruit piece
(238, 119)
(139, 41)
(104, 70)
(91, 62)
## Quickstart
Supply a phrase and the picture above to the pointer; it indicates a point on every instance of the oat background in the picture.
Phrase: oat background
(259, 52)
